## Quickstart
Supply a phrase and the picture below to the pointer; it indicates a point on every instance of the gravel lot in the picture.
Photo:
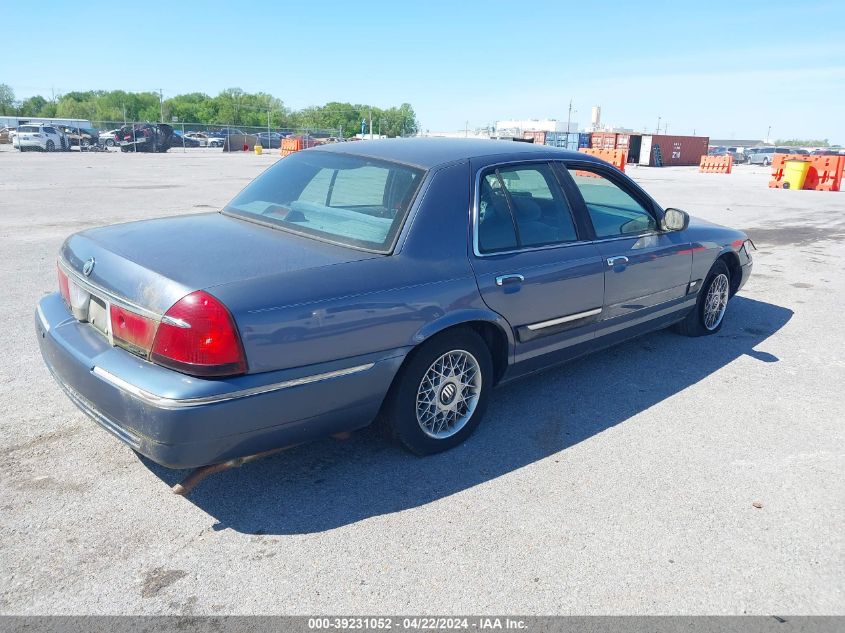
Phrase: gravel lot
(620, 483)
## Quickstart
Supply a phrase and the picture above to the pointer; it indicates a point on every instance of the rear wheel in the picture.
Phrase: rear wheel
(711, 305)
(441, 393)
(51, 146)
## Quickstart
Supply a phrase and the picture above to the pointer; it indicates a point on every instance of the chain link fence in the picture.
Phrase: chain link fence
(190, 135)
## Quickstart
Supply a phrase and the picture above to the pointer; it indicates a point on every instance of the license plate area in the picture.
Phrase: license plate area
(98, 316)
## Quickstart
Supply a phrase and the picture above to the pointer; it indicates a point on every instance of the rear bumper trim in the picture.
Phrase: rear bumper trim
(179, 403)
(41, 317)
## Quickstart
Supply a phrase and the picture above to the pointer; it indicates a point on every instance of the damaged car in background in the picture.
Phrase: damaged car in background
(145, 137)
(397, 281)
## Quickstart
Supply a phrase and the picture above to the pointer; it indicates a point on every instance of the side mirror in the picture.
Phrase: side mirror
(674, 220)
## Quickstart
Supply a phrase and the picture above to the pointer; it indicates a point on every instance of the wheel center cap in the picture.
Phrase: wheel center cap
(447, 394)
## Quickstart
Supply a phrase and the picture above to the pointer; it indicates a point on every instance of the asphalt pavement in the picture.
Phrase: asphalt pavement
(666, 475)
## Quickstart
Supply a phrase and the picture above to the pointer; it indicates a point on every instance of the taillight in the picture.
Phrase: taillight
(64, 285)
(132, 330)
(198, 336)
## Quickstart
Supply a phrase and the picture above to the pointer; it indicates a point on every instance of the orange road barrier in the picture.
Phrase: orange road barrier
(824, 173)
(616, 157)
(716, 164)
(293, 144)
(290, 145)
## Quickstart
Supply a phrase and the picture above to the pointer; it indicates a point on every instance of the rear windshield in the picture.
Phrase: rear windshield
(29, 128)
(350, 200)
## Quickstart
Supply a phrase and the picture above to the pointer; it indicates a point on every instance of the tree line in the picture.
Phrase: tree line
(232, 106)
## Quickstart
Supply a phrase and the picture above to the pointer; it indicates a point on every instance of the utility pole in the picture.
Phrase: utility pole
(568, 123)
(658, 125)
(769, 134)
(466, 130)
(161, 105)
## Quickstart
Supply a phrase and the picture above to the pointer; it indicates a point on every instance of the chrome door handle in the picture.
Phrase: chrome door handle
(612, 261)
(501, 280)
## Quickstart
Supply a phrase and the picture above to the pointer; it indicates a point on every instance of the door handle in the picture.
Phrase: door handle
(612, 261)
(501, 280)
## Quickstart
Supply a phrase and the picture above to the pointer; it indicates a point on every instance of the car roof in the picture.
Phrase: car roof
(432, 152)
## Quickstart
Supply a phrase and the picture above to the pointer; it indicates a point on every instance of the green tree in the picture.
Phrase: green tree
(232, 106)
(795, 142)
(7, 100)
(34, 106)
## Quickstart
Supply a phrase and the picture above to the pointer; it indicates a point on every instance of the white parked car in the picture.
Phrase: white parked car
(199, 137)
(40, 137)
(109, 138)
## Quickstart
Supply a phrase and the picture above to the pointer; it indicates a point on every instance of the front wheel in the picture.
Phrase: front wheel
(51, 146)
(441, 393)
(712, 303)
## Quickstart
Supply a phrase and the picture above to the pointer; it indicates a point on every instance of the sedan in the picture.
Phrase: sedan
(178, 140)
(392, 280)
(109, 138)
(270, 140)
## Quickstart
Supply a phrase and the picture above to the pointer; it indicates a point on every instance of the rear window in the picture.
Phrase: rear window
(350, 200)
(29, 128)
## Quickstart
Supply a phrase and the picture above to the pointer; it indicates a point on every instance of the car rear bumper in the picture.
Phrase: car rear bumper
(184, 422)
(30, 142)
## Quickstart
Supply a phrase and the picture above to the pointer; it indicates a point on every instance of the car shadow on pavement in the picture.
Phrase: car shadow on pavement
(331, 483)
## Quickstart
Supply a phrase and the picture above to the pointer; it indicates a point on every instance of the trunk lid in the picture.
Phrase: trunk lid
(154, 263)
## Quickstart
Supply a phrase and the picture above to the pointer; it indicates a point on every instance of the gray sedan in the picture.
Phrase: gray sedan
(397, 281)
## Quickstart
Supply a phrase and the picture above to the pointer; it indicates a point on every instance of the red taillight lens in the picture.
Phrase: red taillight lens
(64, 286)
(132, 330)
(198, 336)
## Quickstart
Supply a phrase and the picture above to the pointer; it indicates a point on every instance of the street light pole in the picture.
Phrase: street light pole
(658, 125)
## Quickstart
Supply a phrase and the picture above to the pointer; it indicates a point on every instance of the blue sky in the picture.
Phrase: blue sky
(723, 69)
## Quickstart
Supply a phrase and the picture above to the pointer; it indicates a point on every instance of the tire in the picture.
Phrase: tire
(50, 146)
(84, 143)
(701, 320)
(424, 433)
(109, 143)
(765, 162)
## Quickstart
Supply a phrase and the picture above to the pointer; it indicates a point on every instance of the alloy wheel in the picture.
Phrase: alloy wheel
(716, 301)
(448, 394)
